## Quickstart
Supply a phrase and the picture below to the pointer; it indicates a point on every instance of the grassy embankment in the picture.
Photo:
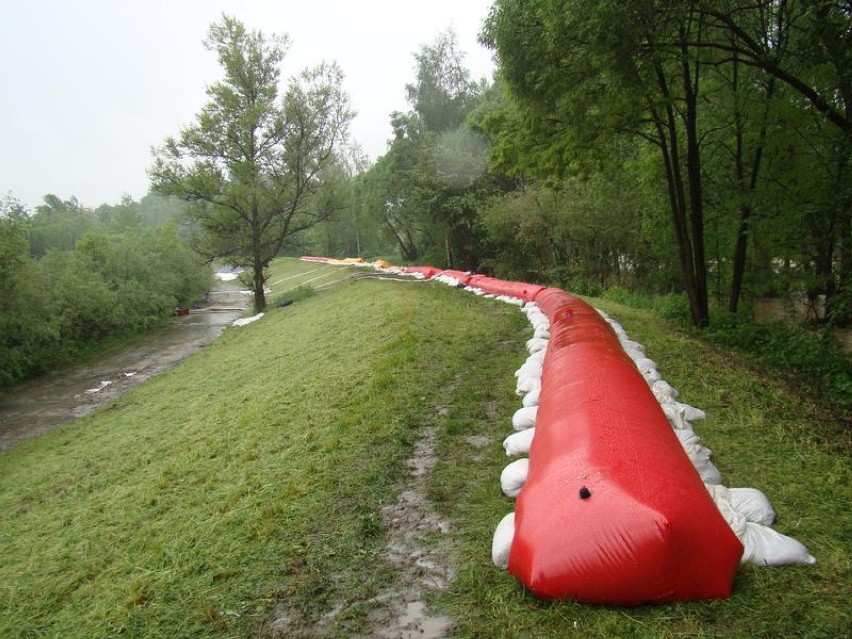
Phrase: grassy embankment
(255, 472)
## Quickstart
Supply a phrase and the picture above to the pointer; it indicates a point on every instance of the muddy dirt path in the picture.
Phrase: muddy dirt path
(417, 546)
(42, 404)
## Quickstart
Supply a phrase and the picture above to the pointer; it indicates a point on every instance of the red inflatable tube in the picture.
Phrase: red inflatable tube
(521, 290)
(426, 271)
(612, 511)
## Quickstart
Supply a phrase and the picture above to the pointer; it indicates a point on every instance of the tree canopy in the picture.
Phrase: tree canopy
(255, 162)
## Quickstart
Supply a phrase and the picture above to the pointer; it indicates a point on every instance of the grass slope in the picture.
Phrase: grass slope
(250, 480)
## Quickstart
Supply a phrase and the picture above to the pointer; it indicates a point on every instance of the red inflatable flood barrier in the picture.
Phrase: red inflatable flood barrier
(426, 271)
(612, 510)
(521, 290)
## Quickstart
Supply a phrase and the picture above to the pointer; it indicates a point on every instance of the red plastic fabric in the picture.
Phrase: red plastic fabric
(521, 290)
(612, 511)
(313, 258)
(426, 271)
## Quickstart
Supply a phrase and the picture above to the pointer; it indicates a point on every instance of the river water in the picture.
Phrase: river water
(41, 404)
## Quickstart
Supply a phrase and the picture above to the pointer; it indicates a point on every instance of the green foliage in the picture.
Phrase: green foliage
(58, 224)
(428, 191)
(68, 301)
(813, 357)
(579, 230)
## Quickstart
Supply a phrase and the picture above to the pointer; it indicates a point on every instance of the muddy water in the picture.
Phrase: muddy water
(40, 405)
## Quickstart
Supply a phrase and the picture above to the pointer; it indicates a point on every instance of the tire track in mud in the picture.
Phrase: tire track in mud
(417, 548)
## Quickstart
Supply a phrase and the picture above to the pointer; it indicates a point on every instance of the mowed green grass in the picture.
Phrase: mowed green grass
(248, 482)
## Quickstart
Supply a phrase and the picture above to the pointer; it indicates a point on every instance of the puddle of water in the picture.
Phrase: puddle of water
(41, 404)
(416, 622)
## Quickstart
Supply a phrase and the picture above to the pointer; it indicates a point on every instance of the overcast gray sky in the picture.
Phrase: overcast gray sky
(90, 85)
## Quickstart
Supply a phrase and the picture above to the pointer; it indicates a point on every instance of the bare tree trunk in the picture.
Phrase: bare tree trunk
(258, 281)
(739, 259)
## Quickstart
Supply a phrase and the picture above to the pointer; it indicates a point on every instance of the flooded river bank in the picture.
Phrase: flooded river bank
(41, 404)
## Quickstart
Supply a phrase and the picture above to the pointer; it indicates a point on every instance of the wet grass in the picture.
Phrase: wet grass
(246, 485)
(251, 474)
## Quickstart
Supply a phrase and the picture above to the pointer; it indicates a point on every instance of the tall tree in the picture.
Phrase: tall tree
(430, 174)
(254, 163)
(583, 71)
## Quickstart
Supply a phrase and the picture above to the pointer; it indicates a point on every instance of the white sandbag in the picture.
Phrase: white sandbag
(514, 301)
(535, 315)
(541, 327)
(620, 333)
(524, 417)
(543, 333)
(645, 364)
(527, 384)
(708, 472)
(532, 365)
(614, 325)
(680, 414)
(634, 354)
(767, 547)
(675, 416)
(530, 368)
(519, 443)
(700, 458)
(531, 398)
(247, 320)
(687, 437)
(630, 344)
(722, 498)
(651, 377)
(514, 476)
(538, 319)
(664, 392)
(537, 344)
(690, 413)
(501, 544)
(753, 505)
(448, 280)
(536, 358)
